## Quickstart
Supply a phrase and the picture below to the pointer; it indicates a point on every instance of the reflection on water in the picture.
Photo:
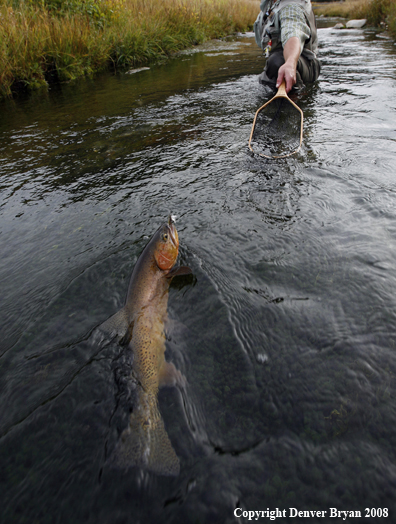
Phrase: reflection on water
(286, 332)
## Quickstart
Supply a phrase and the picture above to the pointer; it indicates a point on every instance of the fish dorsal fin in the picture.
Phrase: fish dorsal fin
(116, 325)
(179, 271)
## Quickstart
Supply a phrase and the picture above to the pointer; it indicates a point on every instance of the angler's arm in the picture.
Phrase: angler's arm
(294, 32)
(287, 71)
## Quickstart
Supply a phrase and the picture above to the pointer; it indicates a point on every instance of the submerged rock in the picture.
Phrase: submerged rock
(356, 24)
(133, 71)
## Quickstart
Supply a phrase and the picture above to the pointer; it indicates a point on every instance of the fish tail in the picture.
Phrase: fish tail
(145, 442)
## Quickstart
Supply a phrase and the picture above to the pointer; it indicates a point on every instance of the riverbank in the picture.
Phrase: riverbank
(44, 41)
(377, 12)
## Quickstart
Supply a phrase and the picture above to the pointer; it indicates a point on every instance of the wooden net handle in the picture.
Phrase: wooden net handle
(281, 90)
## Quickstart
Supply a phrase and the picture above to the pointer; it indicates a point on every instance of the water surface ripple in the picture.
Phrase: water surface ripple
(286, 333)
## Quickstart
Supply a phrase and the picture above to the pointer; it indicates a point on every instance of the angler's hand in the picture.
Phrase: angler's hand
(286, 72)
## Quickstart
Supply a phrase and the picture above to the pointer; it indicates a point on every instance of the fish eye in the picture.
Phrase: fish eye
(165, 237)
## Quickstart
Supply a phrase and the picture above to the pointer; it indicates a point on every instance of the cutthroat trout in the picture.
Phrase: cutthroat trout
(145, 443)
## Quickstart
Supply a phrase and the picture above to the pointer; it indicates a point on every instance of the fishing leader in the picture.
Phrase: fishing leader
(286, 31)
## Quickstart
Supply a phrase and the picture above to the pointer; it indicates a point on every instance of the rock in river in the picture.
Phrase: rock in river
(356, 24)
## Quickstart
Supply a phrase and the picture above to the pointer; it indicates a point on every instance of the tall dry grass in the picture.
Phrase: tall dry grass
(391, 20)
(375, 11)
(42, 40)
(346, 9)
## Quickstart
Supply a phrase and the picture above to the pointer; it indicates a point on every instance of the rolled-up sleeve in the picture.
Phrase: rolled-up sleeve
(293, 23)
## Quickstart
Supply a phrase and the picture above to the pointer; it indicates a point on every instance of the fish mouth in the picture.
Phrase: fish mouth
(173, 231)
(174, 237)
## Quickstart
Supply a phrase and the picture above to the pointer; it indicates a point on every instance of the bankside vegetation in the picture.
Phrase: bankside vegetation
(59, 40)
(377, 12)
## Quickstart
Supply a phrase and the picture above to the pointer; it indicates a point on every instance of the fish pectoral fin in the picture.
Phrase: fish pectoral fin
(179, 271)
(116, 325)
(168, 375)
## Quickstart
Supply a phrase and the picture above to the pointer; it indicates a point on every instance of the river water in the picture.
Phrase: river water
(285, 332)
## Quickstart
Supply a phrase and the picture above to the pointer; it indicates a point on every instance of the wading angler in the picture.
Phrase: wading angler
(286, 31)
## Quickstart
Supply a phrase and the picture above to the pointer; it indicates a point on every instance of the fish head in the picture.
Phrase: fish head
(167, 245)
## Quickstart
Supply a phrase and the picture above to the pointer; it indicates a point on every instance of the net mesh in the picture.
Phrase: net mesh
(277, 129)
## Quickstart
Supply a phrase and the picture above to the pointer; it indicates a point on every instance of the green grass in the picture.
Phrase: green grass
(47, 40)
